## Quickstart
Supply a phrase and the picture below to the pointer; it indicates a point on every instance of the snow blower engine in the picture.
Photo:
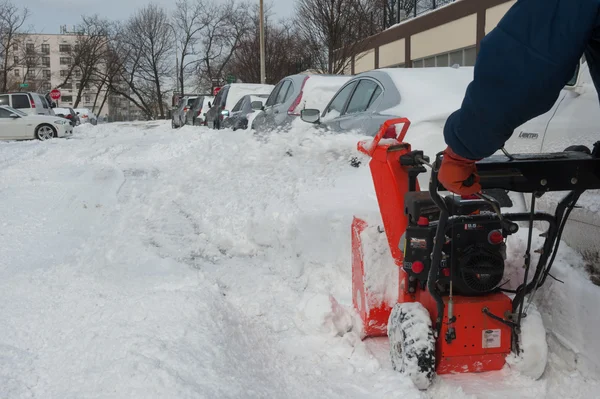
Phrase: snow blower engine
(440, 299)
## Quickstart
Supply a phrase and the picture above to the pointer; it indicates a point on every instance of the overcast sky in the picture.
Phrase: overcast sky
(48, 15)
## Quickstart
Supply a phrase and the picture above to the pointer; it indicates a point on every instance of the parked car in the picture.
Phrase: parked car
(366, 101)
(86, 116)
(30, 103)
(68, 113)
(427, 96)
(178, 117)
(294, 93)
(243, 110)
(228, 97)
(18, 125)
(198, 110)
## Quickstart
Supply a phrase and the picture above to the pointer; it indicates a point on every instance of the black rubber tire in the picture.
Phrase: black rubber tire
(412, 344)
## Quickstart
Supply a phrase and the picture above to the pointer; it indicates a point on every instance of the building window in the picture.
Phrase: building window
(64, 48)
(77, 85)
(16, 60)
(77, 73)
(456, 58)
(64, 73)
(67, 99)
(470, 56)
(31, 61)
(17, 72)
(46, 61)
(463, 57)
(46, 86)
(46, 48)
(441, 60)
(46, 74)
(65, 60)
(88, 99)
(16, 47)
(30, 48)
(67, 86)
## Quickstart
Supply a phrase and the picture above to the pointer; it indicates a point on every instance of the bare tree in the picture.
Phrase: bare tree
(190, 19)
(150, 36)
(286, 52)
(336, 29)
(124, 76)
(225, 27)
(12, 20)
(86, 58)
(30, 59)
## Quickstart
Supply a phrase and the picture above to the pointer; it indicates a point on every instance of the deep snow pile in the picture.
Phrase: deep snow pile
(138, 261)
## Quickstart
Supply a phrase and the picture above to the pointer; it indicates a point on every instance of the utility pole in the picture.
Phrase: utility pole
(263, 74)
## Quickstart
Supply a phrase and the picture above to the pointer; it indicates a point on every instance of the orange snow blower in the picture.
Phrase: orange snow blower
(449, 312)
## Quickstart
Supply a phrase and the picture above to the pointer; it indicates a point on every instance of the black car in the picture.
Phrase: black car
(238, 118)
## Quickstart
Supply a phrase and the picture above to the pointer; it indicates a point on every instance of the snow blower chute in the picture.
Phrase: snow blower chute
(451, 313)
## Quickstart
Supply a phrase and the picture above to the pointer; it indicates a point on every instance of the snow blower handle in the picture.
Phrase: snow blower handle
(440, 234)
(388, 131)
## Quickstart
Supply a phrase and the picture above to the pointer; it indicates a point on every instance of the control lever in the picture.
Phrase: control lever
(509, 226)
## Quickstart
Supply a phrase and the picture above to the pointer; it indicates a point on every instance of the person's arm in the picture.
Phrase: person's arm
(521, 68)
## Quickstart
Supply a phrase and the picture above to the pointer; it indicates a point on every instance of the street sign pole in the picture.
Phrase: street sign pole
(263, 75)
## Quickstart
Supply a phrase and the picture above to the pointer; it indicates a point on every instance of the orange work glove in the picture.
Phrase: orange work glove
(455, 172)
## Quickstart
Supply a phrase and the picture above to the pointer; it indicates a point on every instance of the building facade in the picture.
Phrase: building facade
(444, 37)
(42, 63)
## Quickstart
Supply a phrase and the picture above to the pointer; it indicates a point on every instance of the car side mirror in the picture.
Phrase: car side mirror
(14, 116)
(310, 115)
(257, 105)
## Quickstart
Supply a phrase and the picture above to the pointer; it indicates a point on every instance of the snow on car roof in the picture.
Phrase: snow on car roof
(319, 90)
(429, 93)
(239, 90)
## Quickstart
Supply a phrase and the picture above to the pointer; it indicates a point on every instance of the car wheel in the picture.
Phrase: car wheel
(44, 132)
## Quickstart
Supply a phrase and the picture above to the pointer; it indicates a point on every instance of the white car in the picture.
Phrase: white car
(17, 125)
(30, 103)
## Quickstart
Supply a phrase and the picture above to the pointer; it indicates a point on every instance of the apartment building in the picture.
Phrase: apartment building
(442, 37)
(42, 63)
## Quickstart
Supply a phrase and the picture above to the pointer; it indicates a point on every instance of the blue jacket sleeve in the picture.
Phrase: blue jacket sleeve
(521, 68)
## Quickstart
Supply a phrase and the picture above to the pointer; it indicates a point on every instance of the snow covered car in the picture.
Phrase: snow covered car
(243, 110)
(17, 125)
(68, 113)
(427, 96)
(179, 113)
(369, 99)
(295, 93)
(86, 116)
(196, 115)
(228, 97)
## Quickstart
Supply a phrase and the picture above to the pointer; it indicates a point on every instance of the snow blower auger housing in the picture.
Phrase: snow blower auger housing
(451, 314)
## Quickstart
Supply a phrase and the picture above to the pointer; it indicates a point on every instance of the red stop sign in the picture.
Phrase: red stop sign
(55, 94)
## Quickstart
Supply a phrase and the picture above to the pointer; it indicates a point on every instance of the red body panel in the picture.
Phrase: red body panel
(481, 343)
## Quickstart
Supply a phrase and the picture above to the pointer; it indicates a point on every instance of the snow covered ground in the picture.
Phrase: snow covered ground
(139, 261)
